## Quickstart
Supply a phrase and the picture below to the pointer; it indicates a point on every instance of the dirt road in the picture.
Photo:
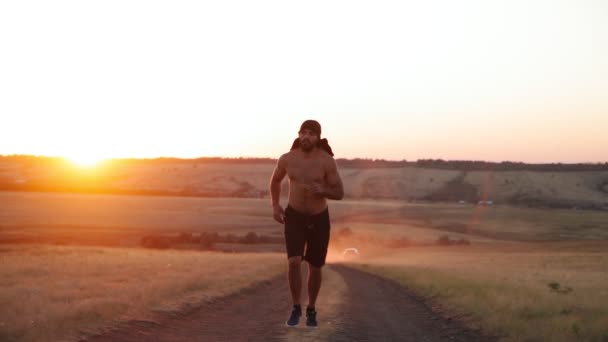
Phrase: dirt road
(353, 306)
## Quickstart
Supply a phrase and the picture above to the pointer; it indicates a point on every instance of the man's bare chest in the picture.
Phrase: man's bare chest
(306, 171)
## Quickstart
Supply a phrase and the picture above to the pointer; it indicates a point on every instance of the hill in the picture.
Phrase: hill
(583, 186)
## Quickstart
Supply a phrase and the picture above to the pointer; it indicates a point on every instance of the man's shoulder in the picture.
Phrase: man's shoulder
(326, 157)
(285, 157)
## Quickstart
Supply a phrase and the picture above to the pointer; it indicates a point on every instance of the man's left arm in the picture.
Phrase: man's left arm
(333, 183)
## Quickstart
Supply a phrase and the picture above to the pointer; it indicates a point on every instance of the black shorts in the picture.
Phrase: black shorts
(307, 230)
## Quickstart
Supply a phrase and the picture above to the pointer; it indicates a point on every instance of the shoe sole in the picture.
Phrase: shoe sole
(311, 326)
(292, 326)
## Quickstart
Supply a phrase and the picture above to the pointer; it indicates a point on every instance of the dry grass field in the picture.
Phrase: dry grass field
(55, 293)
(565, 189)
(517, 291)
(121, 220)
(500, 222)
(529, 274)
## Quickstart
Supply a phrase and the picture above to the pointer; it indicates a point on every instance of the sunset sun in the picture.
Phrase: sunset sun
(85, 160)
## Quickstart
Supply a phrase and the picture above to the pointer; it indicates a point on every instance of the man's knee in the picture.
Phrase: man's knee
(314, 268)
(295, 261)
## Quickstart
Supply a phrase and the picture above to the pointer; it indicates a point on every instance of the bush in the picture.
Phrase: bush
(557, 288)
(399, 242)
(444, 240)
(208, 240)
(185, 237)
(251, 238)
(463, 241)
(270, 239)
(157, 242)
(230, 238)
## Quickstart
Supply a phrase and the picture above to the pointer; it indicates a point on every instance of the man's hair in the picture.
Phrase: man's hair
(312, 125)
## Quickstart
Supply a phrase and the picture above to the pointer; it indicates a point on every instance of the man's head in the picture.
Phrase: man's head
(309, 135)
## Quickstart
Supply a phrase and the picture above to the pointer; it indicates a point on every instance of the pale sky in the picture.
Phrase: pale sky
(484, 80)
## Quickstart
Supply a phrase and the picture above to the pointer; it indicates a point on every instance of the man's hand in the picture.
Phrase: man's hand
(278, 213)
(317, 189)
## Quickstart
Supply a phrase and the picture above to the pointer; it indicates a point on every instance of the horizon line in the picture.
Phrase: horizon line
(340, 158)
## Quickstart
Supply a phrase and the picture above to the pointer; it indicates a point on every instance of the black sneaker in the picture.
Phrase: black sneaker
(294, 318)
(311, 318)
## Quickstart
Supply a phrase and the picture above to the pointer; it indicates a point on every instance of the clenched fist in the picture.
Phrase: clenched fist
(317, 189)
(278, 213)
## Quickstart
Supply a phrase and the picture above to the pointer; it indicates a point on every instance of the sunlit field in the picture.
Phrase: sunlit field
(52, 293)
(123, 220)
(520, 292)
(141, 143)
(526, 274)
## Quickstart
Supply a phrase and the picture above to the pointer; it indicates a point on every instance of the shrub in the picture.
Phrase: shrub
(230, 238)
(208, 240)
(185, 237)
(557, 288)
(463, 241)
(444, 240)
(157, 242)
(400, 242)
(251, 238)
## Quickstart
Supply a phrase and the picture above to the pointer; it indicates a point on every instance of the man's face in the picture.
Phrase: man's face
(308, 140)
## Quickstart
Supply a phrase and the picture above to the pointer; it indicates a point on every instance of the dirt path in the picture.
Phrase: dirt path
(253, 314)
(353, 306)
(381, 310)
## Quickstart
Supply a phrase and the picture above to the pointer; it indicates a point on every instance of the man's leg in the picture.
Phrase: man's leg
(295, 240)
(295, 286)
(314, 284)
(295, 279)
(316, 252)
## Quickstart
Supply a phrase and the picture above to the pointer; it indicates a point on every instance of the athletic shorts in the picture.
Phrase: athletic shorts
(307, 231)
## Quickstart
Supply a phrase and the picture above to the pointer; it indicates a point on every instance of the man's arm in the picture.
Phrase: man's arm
(334, 189)
(275, 188)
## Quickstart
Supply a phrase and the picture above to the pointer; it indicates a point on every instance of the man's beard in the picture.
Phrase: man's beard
(306, 147)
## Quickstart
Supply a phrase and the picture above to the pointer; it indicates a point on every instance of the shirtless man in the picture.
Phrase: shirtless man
(313, 178)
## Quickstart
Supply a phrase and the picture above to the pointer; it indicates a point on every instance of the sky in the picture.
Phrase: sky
(475, 80)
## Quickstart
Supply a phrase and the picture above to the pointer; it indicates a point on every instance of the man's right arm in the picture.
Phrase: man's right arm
(275, 188)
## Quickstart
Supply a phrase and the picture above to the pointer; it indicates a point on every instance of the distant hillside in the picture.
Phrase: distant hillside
(554, 185)
(357, 163)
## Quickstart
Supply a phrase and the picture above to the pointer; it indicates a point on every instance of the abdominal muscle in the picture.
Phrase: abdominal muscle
(303, 201)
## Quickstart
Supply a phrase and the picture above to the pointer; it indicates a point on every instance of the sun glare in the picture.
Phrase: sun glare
(86, 161)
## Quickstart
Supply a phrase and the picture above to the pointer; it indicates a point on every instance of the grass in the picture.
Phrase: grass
(574, 188)
(495, 222)
(510, 290)
(506, 282)
(123, 220)
(52, 293)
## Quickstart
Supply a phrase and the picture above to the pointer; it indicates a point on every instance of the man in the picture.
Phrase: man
(313, 178)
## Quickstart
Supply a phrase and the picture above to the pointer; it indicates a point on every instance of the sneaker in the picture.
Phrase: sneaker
(294, 318)
(311, 318)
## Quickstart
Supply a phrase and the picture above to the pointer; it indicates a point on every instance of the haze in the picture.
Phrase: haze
(484, 80)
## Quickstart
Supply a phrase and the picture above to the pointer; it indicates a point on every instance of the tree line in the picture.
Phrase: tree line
(356, 163)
